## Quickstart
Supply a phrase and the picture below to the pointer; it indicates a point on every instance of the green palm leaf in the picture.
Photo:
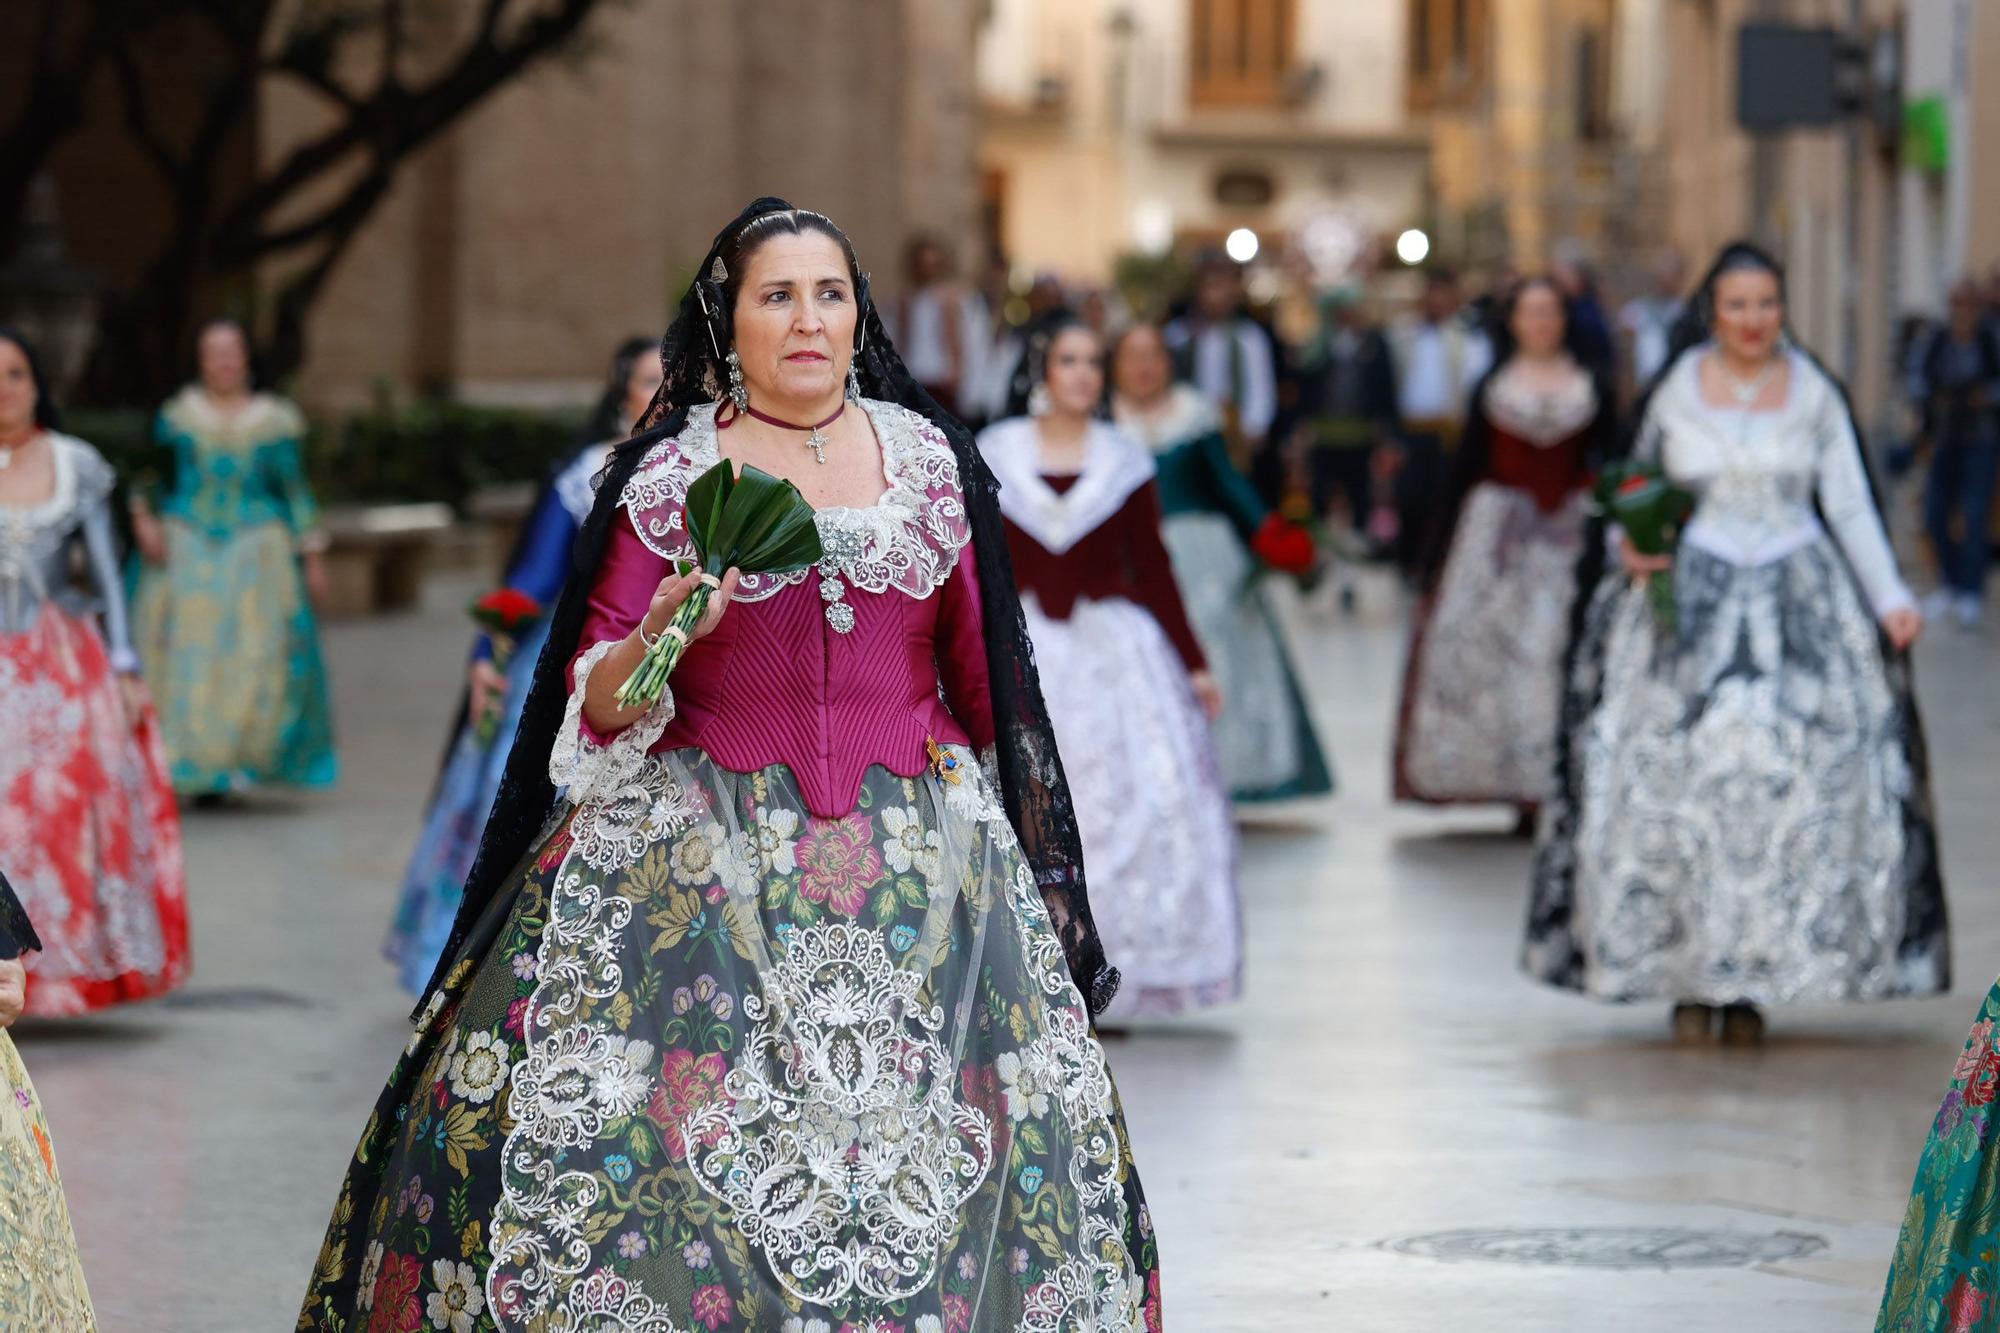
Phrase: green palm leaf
(750, 521)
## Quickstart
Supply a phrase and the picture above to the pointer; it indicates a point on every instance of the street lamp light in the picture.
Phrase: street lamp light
(1241, 245)
(1413, 246)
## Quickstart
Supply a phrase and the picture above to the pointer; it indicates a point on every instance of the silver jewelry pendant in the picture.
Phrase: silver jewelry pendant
(854, 381)
(817, 443)
(739, 392)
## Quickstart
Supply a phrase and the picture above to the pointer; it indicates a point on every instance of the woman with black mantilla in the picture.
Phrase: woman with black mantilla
(771, 1027)
(1741, 814)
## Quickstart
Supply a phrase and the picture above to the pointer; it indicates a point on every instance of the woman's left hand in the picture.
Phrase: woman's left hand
(136, 698)
(1903, 625)
(315, 577)
(13, 990)
(1207, 693)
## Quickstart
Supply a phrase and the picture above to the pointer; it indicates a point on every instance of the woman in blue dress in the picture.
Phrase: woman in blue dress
(435, 880)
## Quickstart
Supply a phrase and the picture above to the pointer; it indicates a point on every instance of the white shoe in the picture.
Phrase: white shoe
(1939, 604)
(1970, 610)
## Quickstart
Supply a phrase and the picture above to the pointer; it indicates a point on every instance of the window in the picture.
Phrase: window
(1593, 88)
(1449, 40)
(1240, 51)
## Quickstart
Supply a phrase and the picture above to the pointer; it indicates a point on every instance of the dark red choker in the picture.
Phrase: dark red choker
(817, 441)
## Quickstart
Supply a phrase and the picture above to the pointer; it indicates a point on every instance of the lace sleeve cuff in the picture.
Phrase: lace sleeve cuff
(592, 769)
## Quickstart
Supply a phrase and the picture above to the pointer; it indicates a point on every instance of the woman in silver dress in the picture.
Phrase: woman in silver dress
(1742, 810)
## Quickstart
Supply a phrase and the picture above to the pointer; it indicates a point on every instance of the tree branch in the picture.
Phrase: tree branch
(138, 118)
(391, 124)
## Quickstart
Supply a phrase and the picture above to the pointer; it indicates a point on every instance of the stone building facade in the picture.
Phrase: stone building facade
(570, 210)
(1127, 127)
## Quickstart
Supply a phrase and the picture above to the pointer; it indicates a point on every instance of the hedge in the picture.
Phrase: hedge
(429, 450)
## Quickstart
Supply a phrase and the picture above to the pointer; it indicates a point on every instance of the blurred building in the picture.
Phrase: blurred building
(1528, 156)
(567, 210)
(1875, 213)
(1115, 127)
(570, 210)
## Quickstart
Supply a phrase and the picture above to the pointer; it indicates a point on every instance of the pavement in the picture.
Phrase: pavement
(1392, 1131)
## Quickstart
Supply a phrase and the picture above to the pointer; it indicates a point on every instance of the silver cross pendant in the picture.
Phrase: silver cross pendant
(817, 443)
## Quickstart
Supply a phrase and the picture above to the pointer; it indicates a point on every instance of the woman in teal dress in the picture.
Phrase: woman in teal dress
(223, 609)
(1221, 537)
(1946, 1274)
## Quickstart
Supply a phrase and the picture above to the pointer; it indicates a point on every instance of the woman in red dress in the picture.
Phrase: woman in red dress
(1478, 716)
(88, 830)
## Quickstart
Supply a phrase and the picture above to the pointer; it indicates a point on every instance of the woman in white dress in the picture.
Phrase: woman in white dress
(1742, 814)
(1127, 685)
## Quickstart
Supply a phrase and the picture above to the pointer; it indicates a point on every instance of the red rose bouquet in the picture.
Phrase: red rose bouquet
(1652, 511)
(506, 615)
(1284, 546)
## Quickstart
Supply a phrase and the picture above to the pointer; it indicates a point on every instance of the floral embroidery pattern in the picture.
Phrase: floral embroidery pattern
(773, 1072)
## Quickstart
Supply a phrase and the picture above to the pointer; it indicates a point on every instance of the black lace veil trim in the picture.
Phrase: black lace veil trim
(1033, 787)
(17, 933)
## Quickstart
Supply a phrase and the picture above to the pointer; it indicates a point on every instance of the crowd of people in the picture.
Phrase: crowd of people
(778, 1000)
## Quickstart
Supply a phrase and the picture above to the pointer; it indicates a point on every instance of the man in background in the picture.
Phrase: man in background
(1439, 357)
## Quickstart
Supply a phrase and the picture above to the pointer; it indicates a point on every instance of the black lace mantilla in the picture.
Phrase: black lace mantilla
(17, 933)
(1031, 775)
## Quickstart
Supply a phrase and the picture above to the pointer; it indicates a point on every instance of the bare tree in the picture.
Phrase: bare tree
(391, 74)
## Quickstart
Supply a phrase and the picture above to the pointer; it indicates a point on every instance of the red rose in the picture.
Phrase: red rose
(1632, 485)
(506, 611)
(1284, 546)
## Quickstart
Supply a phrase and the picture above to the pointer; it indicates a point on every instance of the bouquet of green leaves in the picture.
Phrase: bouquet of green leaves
(751, 522)
(1651, 510)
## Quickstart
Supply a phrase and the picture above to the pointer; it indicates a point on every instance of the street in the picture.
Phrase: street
(1394, 1131)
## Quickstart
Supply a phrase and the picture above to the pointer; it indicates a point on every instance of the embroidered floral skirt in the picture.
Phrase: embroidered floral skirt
(1477, 720)
(89, 836)
(713, 1063)
(434, 882)
(1944, 1277)
(1265, 738)
(41, 1282)
(1743, 807)
(1159, 839)
(232, 654)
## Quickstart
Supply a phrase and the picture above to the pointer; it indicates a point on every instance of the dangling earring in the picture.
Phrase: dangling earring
(739, 392)
(854, 380)
(1038, 401)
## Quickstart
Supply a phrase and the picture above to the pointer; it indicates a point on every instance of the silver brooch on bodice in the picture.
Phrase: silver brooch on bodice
(838, 545)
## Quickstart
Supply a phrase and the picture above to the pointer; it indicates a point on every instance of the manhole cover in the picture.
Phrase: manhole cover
(235, 998)
(1612, 1247)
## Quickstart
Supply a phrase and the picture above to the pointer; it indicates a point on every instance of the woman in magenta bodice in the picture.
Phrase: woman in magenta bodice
(781, 1017)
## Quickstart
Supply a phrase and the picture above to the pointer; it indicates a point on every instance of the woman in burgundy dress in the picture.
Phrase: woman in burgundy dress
(1480, 695)
(1128, 689)
(769, 1027)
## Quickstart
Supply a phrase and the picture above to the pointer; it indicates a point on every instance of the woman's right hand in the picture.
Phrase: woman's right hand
(675, 589)
(1638, 564)
(489, 687)
(13, 990)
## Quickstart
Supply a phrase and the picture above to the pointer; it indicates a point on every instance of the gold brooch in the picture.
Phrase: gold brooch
(944, 763)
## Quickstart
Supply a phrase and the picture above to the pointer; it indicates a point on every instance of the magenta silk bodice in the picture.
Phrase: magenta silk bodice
(829, 671)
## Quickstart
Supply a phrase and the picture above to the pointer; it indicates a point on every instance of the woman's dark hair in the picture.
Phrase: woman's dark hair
(47, 415)
(1032, 785)
(1037, 336)
(1506, 345)
(253, 364)
(607, 420)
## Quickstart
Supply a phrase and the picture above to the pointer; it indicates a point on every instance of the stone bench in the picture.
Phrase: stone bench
(376, 555)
